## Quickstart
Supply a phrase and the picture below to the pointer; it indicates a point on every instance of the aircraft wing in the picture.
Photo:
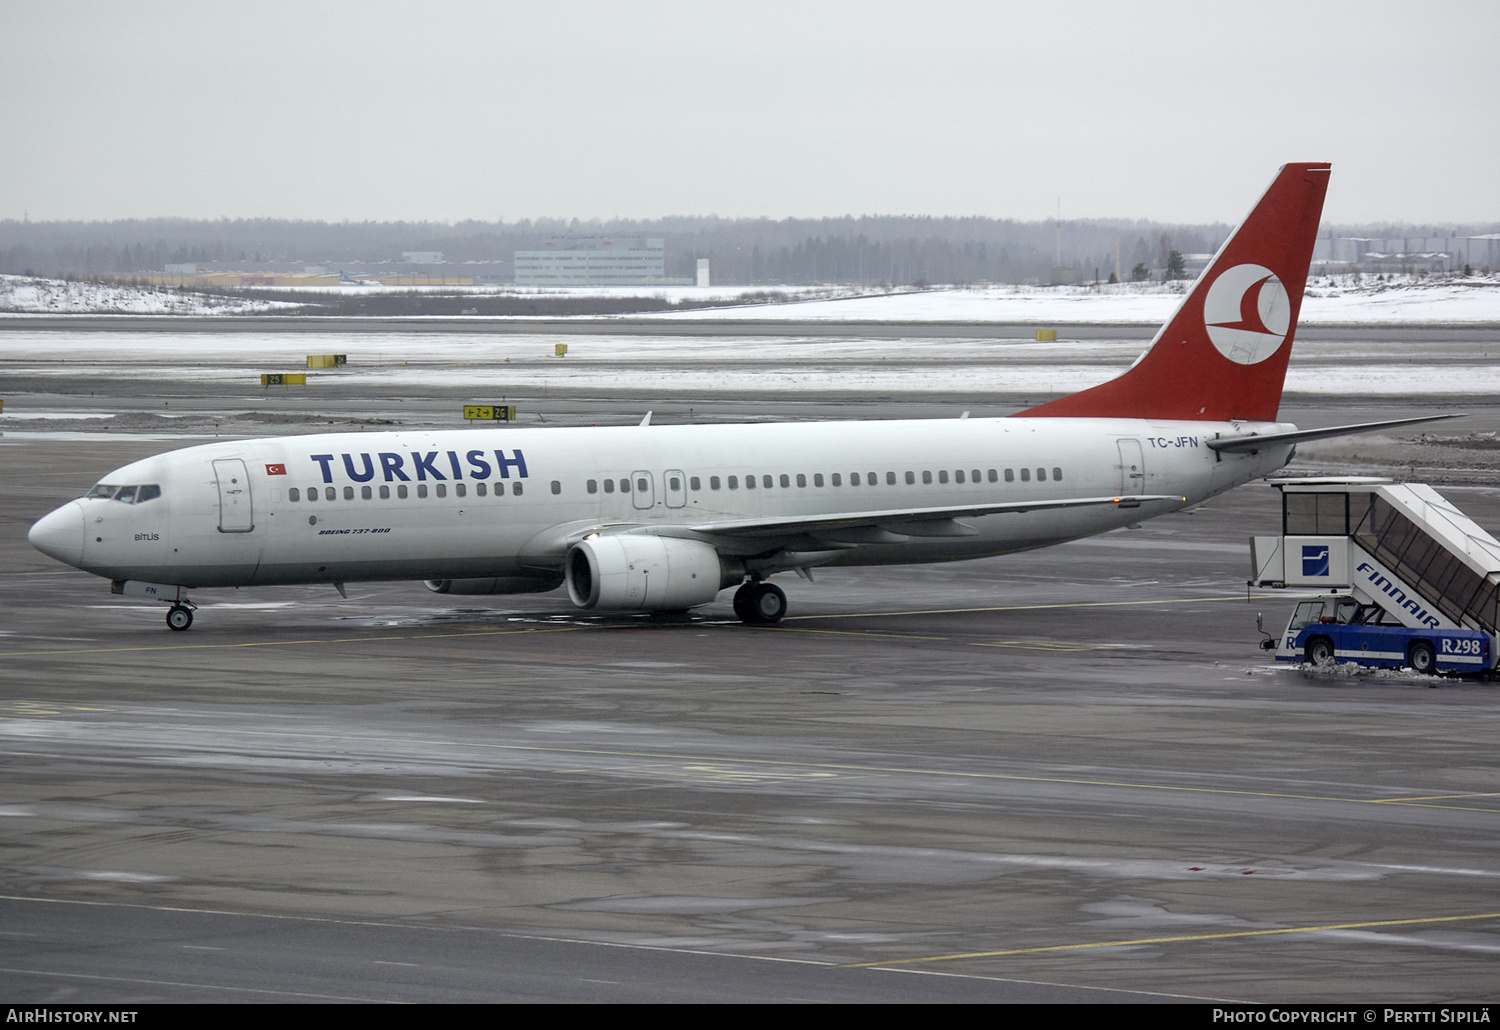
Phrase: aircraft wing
(907, 521)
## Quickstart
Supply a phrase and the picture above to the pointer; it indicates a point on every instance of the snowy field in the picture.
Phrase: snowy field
(1397, 301)
(1442, 301)
(525, 364)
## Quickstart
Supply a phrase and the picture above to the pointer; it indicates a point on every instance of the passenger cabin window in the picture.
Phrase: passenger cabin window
(459, 489)
(385, 493)
(293, 494)
(421, 489)
(480, 489)
(592, 486)
(943, 475)
(1041, 475)
(556, 487)
(1057, 473)
(1010, 476)
(609, 486)
(713, 482)
(401, 491)
(836, 480)
(1025, 475)
(364, 493)
(500, 488)
(890, 478)
(516, 489)
(695, 484)
(349, 493)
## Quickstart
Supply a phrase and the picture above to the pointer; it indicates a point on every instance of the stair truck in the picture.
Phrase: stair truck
(1405, 578)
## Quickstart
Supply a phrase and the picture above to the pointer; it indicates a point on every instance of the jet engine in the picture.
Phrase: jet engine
(648, 573)
(500, 585)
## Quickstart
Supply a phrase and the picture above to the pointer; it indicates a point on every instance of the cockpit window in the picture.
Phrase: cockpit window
(128, 494)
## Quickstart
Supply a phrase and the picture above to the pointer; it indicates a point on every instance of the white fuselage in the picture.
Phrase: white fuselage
(226, 514)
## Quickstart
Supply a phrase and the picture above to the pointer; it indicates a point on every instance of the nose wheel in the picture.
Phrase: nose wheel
(179, 617)
(759, 603)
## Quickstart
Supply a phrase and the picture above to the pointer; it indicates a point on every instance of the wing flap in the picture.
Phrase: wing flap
(902, 522)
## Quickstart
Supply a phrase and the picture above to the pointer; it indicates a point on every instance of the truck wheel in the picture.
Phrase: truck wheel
(1421, 658)
(1319, 652)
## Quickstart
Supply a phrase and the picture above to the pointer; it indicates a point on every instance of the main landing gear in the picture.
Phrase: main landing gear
(759, 603)
(179, 616)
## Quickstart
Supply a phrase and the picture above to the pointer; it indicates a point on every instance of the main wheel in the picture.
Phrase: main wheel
(767, 604)
(1319, 652)
(1421, 658)
(179, 617)
(742, 602)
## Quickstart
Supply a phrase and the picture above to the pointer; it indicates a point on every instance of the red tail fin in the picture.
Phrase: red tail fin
(1223, 355)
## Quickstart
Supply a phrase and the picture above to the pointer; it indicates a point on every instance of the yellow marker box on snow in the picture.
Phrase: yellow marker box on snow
(326, 360)
(1046, 336)
(283, 379)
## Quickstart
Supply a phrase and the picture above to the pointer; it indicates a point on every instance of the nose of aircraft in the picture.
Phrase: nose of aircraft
(60, 534)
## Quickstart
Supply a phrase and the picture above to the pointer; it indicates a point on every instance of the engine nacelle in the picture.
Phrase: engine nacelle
(648, 573)
(499, 585)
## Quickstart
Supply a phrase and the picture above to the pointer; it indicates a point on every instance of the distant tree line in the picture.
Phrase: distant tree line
(866, 250)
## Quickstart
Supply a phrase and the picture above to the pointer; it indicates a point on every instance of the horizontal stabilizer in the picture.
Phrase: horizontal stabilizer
(1255, 441)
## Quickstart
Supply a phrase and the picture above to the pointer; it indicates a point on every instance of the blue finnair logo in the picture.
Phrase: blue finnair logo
(1398, 595)
(1314, 559)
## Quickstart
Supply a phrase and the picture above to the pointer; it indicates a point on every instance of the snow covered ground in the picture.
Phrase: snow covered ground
(1398, 300)
(525, 364)
(1407, 300)
(20, 294)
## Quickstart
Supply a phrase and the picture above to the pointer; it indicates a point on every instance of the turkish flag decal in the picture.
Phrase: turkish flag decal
(275, 470)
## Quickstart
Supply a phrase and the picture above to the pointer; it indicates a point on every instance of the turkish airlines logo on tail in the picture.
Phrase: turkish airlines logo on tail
(1247, 314)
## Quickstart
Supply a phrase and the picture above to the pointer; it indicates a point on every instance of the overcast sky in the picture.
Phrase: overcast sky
(364, 110)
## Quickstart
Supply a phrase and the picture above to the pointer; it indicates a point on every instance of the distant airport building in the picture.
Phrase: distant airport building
(597, 261)
(1404, 253)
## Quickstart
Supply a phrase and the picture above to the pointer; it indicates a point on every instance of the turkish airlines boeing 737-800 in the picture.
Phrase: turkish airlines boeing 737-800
(664, 517)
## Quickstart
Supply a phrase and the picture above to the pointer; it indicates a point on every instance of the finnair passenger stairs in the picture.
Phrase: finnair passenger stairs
(1402, 546)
